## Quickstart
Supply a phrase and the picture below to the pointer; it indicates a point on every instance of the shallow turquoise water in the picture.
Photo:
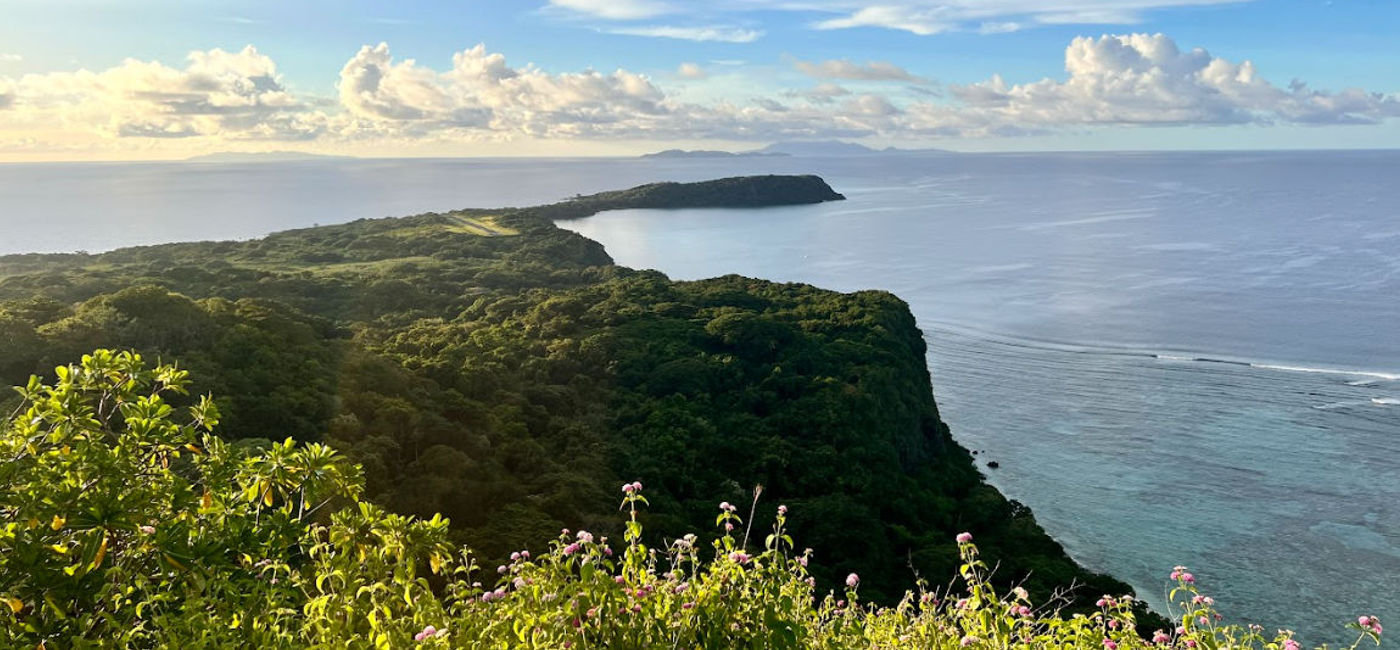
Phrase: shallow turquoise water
(1174, 359)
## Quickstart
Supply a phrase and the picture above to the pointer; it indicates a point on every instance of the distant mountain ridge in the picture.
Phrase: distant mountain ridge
(710, 153)
(263, 156)
(795, 148)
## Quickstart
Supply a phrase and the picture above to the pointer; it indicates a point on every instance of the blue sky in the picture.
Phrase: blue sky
(142, 79)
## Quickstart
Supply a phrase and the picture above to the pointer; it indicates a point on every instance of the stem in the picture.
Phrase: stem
(753, 509)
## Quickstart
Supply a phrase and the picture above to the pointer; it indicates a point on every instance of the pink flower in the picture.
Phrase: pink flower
(1190, 643)
(687, 605)
(782, 510)
(1290, 644)
(1370, 622)
(1161, 637)
(427, 633)
(853, 581)
(619, 579)
(515, 557)
(585, 537)
(964, 538)
(149, 530)
(968, 640)
(1108, 644)
(1023, 610)
(728, 527)
(636, 486)
(1186, 577)
(739, 557)
(571, 549)
(724, 505)
(627, 488)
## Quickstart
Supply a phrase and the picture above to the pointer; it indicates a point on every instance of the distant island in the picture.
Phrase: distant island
(263, 156)
(795, 148)
(709, 153)
(736, 192)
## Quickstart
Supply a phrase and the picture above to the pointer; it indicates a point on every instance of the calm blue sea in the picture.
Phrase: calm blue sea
(1176, 358)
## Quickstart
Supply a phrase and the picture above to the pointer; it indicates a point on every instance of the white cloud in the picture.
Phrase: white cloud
(922, 17)
(691, 71)
(999, 28)
(10, 58)
(1147, 79)
(910, 19)
(481, 92)
(844, 69)
(234, 95)
(720, 33)
(821, 93)
(223, 97)
(615, 9)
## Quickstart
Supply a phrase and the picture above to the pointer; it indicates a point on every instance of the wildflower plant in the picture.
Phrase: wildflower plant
(128, 524)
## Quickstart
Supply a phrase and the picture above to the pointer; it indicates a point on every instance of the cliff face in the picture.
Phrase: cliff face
(490, 366)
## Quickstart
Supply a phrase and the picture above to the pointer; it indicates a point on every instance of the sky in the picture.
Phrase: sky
(151, 79)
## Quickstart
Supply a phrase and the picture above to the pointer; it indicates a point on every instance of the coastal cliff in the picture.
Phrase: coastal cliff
(490, 366)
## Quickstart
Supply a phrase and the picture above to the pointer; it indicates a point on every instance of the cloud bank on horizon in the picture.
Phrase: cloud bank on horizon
(240, 99)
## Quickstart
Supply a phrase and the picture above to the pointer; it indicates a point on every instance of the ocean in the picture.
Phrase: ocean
(1174, 358)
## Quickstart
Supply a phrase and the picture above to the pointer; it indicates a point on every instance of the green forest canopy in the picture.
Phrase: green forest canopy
(493, 367)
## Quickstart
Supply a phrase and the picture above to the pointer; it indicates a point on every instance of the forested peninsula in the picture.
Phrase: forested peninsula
(490, 366)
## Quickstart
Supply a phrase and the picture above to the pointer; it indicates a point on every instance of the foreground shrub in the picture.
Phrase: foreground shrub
(129, 524)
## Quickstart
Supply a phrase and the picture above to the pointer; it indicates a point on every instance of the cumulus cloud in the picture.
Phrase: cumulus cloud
(721, 33)
(1147, 79)
(6, 57)
(691, 71)
(219, 96)
(844, 69)
(236, 95)
(482, 92)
